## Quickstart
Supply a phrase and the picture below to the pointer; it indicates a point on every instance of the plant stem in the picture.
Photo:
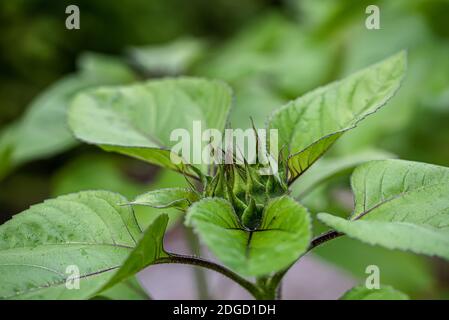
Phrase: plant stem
(200, 275)
(279, 291)
(196, 261)
(324, 237)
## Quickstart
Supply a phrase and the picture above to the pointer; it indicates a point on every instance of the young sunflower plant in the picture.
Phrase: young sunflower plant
(248, 220)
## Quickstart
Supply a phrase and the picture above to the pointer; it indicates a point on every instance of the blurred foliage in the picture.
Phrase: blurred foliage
(273, 57)
(269, 51)
(46, 66)
(42, 130)
(173, 58)
(118, 174)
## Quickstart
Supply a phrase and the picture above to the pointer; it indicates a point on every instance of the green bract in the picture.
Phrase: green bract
(283, 235)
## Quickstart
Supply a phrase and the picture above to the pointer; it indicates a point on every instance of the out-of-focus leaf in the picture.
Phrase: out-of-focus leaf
(104, 69)
(277, 50)
(96, 172)
(7, 136)
(138, 120)
(42, 131)
(309, 125)
(254, 99)
(384, 293)
(399, 205)
(104, 172)
(173, 58)
(426, 60)
(283, 236)
(327, 168)
(328, 17)
(435, 93)
(406, 271)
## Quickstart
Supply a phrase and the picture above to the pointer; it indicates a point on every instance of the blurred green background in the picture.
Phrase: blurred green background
(269, 51)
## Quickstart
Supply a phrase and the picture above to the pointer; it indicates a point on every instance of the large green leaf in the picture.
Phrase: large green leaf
(283, 236)
(327, 168)
(384, 293)
(180, 198)
(309, 125)
(399, 205)
(89, 230)
(137, 120)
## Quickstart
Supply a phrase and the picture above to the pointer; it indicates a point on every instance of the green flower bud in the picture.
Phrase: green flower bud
(252, 216)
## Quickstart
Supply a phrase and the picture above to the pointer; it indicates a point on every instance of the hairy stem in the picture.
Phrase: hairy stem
(200, 262)
(324, 237)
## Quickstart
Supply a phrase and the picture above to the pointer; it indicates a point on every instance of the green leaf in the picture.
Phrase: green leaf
(137, 120)
(275, 49)
(384, 293)
(173, 58)
(42, 131)
(392, 125)
(180, 198)
(399, 205)
(106, 172)
(328, 168)
(309, 125)
(163, 179)
(254, 100)
(88, 230)
(283, 236)
(129, 289)
(148, 249)
(105, 69)
(7, 138)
